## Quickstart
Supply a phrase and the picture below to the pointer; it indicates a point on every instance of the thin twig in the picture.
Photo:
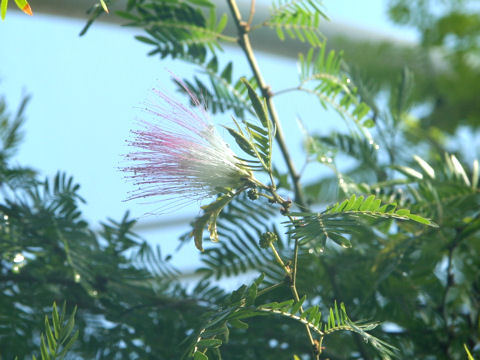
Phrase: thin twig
(268, 289)
(279, 259)
(288, 272)
(287, 90)
(252, 12)
(244, 42)
(292, 273)
(295, 261)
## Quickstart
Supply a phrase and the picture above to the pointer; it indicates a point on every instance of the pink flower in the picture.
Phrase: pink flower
(180, 155)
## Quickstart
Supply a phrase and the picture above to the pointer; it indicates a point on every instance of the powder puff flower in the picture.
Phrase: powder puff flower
(181, 156)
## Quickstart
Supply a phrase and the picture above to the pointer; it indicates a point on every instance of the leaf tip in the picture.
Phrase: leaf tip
(27, 9)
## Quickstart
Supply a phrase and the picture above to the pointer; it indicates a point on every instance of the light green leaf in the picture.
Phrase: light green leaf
(475, 174)
(43, 348)
(69, 344)
(409, 172)
(340, 240)
(208, 343)
(459, 169)
(238, 324)
(242, 141)
(222, 23)
(199, 356)
(259, 106)
(52, 344)
(104, 6)
(209, 219)
(345, 218)
(56, 321)
(296, 306)
(367, 203)
(3, 6)
(67, 329)
(403, 212)
(425, 166)
(469, 354)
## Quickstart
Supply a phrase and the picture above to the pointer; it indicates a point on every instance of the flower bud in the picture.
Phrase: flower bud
(267, 238)
(253, 194)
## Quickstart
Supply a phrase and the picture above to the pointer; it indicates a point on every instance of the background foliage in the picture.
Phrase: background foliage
(372, 259)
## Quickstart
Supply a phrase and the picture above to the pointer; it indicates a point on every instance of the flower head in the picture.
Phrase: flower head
(180, 155)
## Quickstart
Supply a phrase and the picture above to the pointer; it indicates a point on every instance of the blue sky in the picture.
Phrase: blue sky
(86, 92)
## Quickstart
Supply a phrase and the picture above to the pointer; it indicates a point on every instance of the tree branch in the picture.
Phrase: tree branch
(244, 42)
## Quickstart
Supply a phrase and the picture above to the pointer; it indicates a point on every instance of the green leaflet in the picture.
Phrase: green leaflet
(371, 207)
(238, 305)
(209, 219)
(299, 19)
(174, 28)
(207, 343)
(3, 6)
(59, 337)
(258, 104)
(344, 218)
(469, 354)
(442, 187)
(21, 4)
(241, 224)
(241, 305)
(104, 6)
(321, 75)
(256, 141)
(199, 356)
(337, 320)
(219, 92)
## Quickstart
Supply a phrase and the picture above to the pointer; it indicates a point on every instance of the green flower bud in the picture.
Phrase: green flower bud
(267, 238)
(252, 194)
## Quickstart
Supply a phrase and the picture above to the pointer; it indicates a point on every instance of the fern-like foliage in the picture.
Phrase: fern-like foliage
(300, 19)
(10, 136)
(443, 187)
(345, 218)
(121, 238)
(240, 226)
(209, 220)
(221, 94)
(341, 184)
(255, 140)
(48, 251)
(215, 329)
(352, 145)
(321, 75)
(337, 320)
(174, 28)
(208, 293)
(153, 259)
(57, 196)
(59, 337)
(240, 305)
(401, 97)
